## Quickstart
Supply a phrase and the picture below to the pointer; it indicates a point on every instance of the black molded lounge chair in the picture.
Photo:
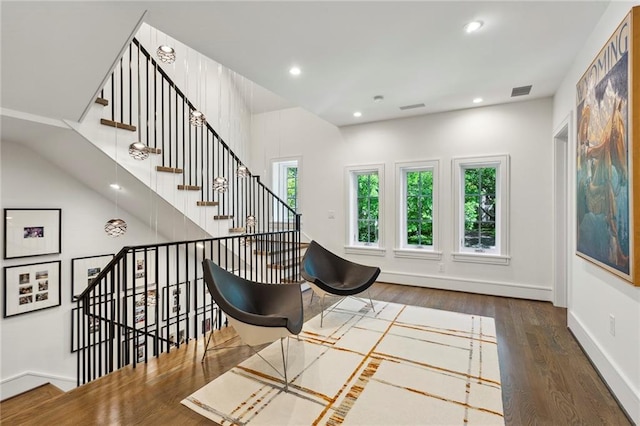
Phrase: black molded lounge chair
(330, 274)
(260, 313)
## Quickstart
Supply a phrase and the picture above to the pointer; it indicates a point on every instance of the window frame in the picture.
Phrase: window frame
(353, 246)
(403, 249)
(279, 182)
(499, 255)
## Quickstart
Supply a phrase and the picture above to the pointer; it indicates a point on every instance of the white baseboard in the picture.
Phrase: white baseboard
(494, 288)
(28, 380)
(616, 380)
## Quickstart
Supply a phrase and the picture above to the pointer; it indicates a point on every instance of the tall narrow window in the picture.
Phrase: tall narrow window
(368, 207)
(364, 209)
(417, 209)
(482, 209)
(285, 176)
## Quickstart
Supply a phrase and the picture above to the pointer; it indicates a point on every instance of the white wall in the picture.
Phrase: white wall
(595, 294)
(35, 346)
(520, 129)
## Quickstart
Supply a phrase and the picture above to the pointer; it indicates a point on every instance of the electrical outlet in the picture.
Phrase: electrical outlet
(612, 325)
(331, 214)
(440, 267)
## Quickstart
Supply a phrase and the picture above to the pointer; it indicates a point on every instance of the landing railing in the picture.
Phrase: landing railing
(152, 299)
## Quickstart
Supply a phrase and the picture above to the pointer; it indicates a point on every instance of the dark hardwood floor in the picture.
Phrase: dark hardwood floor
(546, 378)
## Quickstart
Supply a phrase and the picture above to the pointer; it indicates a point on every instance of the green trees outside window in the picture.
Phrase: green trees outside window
(480, 207)
(368, 207)
(419, 208)
(292, 187)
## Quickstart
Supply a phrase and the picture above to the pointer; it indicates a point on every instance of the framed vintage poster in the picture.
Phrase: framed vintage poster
(33, 287)
(608, 155)
(32, 232)
(84, 270)
(141, 268)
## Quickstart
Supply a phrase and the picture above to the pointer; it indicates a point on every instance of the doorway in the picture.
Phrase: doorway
(561, 207)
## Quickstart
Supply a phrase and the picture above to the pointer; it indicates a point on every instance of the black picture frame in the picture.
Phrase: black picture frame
(32, 287)
(81, 271)
(32, 232)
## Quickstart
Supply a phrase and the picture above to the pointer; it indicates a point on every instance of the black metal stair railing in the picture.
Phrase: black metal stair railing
(152, 299)
(142, 95)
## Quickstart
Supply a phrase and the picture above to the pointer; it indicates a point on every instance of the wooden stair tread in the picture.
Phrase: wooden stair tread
(117, 125)
(234, 230)
(168, 169)
(289, 263)
(189, 188)
(270, 240)
(153, 150)
(28, 399)
(207, 203)
(102, 101)
(222, 217)
(292, 280)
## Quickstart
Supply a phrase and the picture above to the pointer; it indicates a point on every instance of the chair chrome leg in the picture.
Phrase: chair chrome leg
(312, 294)
(284, 362)
(371, 301)
(322, 311)
(206, 347)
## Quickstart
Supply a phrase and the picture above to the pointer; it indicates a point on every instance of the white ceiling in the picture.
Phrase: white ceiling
(56, 54)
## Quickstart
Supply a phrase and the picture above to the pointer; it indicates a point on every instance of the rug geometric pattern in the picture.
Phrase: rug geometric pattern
(397, 365)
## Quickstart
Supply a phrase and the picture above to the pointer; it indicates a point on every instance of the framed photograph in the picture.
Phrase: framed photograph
(144, 310)
(175, 300)
(84, 270)
(607, 158)
(175, 333)
(32, 232)
(87, 332)
(201, 296)
(33, 287)
(141, 268)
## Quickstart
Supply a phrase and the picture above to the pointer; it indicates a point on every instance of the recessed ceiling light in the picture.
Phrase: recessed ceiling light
(477, 100)
(115, 186)
(473, 26)
(357, 114)
(295, 71)
(378, 98)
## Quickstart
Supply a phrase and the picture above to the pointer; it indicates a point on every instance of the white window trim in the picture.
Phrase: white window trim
(352, 246)
(501, 255)
(403, 250)
(279, 190)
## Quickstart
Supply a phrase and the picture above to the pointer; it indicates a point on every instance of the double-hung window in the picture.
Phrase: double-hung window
(365, 202)
(417, 192)
(481, 201)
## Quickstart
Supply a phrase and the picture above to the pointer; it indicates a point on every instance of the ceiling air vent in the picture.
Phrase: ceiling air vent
(414, 106)
(520, 91)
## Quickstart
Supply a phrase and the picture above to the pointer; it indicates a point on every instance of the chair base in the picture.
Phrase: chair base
(322, 294)
(285, 359)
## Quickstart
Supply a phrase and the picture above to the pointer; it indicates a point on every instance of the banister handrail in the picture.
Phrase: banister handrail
(158, 67)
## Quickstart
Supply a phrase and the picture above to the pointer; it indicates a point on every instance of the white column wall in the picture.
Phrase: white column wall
(595, 294)
(35, 347)
(520, 129)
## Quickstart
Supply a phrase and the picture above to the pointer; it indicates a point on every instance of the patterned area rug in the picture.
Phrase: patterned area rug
(395, 365)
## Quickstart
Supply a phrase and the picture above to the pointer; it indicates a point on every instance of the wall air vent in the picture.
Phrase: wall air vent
(520, 91)
(414, 106)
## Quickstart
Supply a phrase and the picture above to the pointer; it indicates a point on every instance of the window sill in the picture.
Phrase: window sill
(489, 259)
(366, 250)
(410, 253)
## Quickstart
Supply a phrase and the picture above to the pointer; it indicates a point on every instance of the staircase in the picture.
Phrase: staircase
(152, 299)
